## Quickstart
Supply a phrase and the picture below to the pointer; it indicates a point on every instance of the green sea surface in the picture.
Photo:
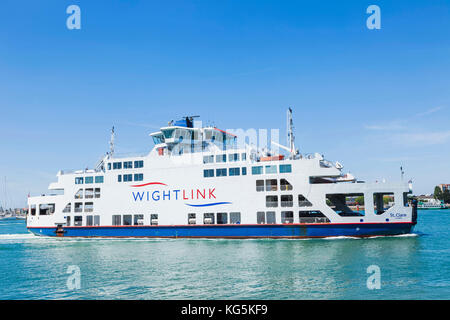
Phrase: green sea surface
(414, 266)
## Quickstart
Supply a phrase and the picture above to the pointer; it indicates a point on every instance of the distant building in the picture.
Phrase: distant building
(444, 187)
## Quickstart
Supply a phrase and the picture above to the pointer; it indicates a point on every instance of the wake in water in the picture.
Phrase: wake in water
(18, 236)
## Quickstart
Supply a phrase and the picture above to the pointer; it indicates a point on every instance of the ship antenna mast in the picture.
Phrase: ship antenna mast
(111, 143)
(290, 133)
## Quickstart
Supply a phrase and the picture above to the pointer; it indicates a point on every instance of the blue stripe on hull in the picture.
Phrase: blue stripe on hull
(235, 231)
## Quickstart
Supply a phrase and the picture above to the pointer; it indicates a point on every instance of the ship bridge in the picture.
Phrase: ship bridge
(182, 137)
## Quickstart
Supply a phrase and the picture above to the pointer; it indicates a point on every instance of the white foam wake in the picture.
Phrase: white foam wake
(17, 236)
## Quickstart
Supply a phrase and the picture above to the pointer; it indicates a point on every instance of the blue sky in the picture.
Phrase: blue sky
(372, 99)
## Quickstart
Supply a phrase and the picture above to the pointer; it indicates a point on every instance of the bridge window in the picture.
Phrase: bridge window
(285, 185)
(271, 185)
(208, 159)
(99, 179)
(257, 170)
(96, 220)
(79, 180)
(208, 218)
(271, 169)
(89, 180)
(243, 156)
(89, 220)
(235, 171)
(232, 157)
(116, 220)
(191, 218)
(117, 165)
(138, 220)
(285, 168)
(287, 217)
(287, 200)
(208, 173)
(154, 219)
(78, 221)
(127, 219)
(381, 201)
(33, 209)
(138, 164)
(222, 218)
(235, 217)
(270, 217)
(109, 166)
(138, 177)
(221, 172)
(128, 164)
(303, 202)
(271, 201)
(309, 216)
(259, 185)
(346, 205)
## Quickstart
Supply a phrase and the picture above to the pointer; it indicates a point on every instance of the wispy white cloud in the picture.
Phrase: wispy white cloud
(430, 111)
(392, 125)
(402, 123)
(423, 138)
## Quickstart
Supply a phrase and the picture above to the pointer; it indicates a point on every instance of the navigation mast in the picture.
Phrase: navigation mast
(111, 143)
(290, 133)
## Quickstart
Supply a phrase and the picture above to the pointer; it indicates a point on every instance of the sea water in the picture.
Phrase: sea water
(414, 266)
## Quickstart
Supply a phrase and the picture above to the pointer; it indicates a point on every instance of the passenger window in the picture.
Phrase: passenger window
(208, 218)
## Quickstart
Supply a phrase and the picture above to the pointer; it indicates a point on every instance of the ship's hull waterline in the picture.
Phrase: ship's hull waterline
(293, 231)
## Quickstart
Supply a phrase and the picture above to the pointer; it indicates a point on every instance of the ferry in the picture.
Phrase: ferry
(431, 204)
(198, 182)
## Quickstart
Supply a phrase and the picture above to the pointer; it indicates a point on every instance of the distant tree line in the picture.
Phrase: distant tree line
(438, 194)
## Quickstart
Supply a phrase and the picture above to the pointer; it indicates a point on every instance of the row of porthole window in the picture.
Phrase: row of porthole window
(272, 185)
(306, 216)
(79, 207)
(216, 218)
(90, 220)
(287, 200)
(220, 158)
(89, 180)
(222, 172)
(270, 169)
(129, 177)
(88, 193)
(136, 219)
(126, 165)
